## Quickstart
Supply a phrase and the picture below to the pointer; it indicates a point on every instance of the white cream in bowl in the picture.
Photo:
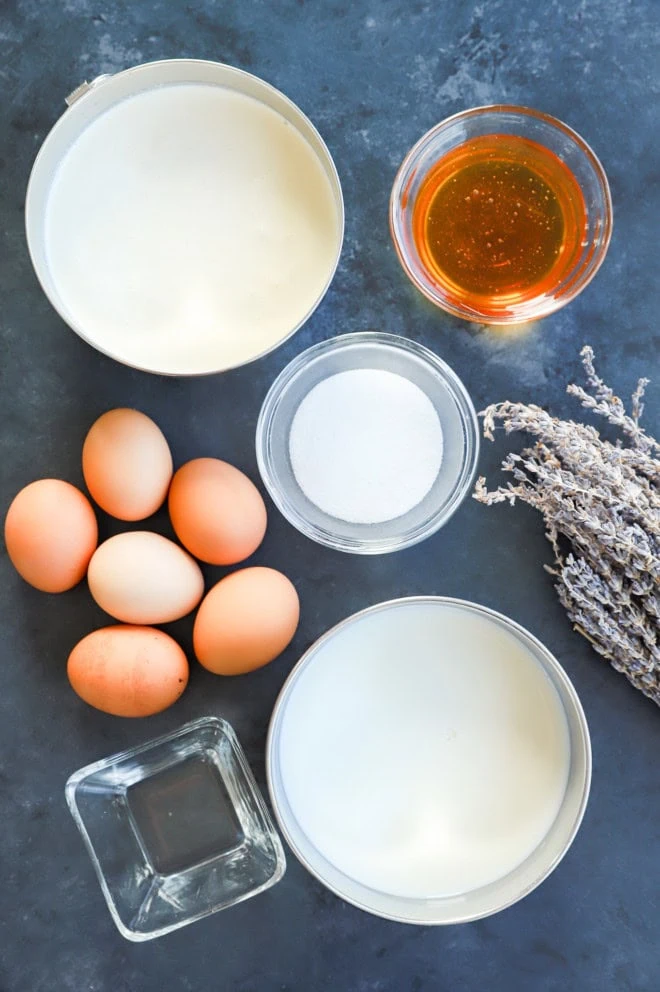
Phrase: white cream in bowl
(427, 762)
(189, 228)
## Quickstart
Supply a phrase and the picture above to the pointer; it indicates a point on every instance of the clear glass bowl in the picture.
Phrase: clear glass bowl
(176, 829)
(371, 350)
(535, 126)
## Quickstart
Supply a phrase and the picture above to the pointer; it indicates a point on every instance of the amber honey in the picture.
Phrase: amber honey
(498, 221)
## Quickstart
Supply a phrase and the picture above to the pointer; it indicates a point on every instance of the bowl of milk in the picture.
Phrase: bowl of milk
(429, 761)
(184, 217)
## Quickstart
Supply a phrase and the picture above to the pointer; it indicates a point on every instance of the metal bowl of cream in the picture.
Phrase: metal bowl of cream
(429, 761)
(184, 217)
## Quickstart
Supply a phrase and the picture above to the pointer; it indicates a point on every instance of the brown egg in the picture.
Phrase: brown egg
(245, 621)
(143, 578)
(216, 511)
(128, 671)
(51, 534)
(127, 464)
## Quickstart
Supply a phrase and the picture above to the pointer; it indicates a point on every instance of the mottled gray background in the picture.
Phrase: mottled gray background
(373, 75)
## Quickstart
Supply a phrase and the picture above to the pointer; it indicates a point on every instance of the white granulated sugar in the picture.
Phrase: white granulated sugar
(366, 445)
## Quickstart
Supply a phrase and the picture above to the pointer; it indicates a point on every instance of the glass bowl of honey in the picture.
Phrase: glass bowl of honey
(501, 214)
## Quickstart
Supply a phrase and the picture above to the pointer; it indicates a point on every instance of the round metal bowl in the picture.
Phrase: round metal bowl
(465, 906)
(190, 351)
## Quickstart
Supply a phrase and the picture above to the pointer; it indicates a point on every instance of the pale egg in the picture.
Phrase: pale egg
(128, 671)
(127, 464)
(218, 514)
(245, 621)
(143, 578)
(51, 534)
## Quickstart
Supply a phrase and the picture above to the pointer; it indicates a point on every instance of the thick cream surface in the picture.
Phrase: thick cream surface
(190, 228)
(424, 752)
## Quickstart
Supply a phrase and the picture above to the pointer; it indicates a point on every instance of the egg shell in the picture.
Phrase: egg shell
(51, 534)
(245, 620)
(142, 578)
(127, 464)
(128, 671)
(217, 513)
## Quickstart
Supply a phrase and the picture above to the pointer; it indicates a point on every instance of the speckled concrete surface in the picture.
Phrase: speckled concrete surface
(373, 76)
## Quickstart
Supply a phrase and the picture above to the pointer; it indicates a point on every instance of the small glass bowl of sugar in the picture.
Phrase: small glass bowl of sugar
(367, 442)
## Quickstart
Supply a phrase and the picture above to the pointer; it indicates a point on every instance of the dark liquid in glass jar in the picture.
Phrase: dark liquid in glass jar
(498, 221)
(184, 815)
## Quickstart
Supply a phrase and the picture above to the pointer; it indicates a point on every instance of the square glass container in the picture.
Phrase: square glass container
(176, 829)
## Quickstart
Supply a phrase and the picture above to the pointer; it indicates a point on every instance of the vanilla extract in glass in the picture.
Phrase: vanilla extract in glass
(184, 815)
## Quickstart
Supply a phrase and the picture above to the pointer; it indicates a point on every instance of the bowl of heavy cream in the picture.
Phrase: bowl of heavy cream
(429, 761)
(184, 217)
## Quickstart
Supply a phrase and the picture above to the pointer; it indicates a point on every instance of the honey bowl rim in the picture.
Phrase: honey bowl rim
(537, 307)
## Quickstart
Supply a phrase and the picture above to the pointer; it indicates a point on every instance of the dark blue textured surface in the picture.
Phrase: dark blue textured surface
(373, 76)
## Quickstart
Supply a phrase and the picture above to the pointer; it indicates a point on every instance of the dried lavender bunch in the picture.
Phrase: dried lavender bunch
(601, 507)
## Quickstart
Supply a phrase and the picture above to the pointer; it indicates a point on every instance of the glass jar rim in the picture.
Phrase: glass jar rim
(287, 505)
(538, 307)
